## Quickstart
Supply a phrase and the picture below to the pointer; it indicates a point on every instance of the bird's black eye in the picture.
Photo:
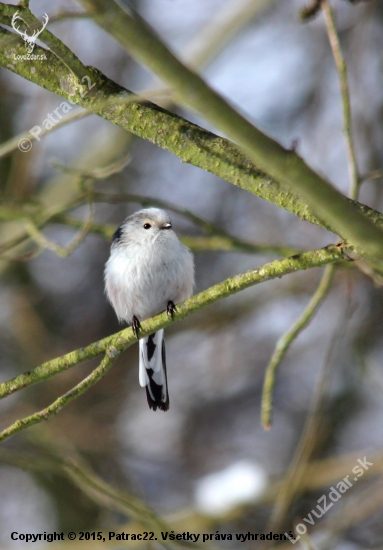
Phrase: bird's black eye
(147, 225)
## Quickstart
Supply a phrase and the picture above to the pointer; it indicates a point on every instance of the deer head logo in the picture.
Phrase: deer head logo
(30, 40)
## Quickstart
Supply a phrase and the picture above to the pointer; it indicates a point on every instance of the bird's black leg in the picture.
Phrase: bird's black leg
(136, 326)
(170, 309)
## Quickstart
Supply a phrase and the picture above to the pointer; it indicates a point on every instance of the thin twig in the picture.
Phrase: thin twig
(39, 218)
(65, 251)
(285, 342)
(345, 95)
(24, 137)
(63, 15)
(374, 175)
(62, 251)
(105, 365)
(99, 173)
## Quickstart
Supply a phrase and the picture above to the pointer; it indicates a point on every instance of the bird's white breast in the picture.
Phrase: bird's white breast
(141, 280)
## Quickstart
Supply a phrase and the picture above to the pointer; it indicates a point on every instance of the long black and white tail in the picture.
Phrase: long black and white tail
(152, 370)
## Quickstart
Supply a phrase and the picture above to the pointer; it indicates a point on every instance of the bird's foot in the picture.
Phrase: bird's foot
(170, 309)
(135, 326)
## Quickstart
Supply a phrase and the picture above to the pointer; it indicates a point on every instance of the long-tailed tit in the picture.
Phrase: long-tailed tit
(149, 270)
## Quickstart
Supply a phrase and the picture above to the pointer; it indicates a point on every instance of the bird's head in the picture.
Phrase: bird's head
(144, 227)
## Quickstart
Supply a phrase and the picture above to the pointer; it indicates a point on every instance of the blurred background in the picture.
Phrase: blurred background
(207, 465)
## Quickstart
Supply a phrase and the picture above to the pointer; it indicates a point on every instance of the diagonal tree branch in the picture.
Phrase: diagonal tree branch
(188, 141)
(105, 365)
(58, 48)
(125, 338)
(333, 208)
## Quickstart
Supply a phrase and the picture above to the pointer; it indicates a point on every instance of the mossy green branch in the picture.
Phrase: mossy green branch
(191, 143)
(284, 166)
(125, 338)
(58, 48)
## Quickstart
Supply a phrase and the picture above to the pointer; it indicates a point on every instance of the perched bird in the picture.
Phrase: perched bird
(149, 270)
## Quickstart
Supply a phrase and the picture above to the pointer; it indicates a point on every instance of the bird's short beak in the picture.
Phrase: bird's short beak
(167, 226)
